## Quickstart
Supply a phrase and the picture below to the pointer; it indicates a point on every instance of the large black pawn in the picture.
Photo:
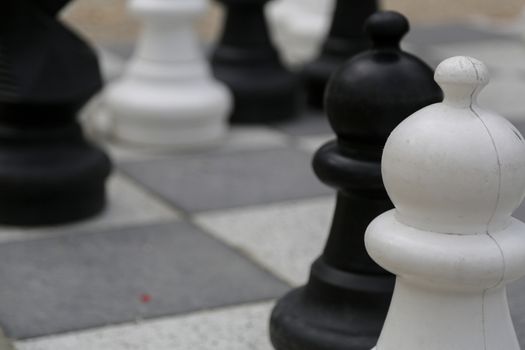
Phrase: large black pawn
(345, 39)
(49, 173)
(246, 60)
(345, 302)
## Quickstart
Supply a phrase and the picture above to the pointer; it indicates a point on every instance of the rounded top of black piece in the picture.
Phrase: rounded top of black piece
(374, 91)
(386, 28)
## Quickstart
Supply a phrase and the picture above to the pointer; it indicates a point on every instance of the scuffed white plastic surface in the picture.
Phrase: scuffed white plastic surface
(455, 173)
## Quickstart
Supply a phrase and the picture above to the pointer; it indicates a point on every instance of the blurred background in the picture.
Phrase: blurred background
(247, 230)
(108, 23)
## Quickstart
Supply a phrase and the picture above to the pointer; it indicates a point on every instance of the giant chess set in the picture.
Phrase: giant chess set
(323, 176)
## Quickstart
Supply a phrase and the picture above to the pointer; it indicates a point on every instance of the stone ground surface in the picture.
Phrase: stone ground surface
(194, 248)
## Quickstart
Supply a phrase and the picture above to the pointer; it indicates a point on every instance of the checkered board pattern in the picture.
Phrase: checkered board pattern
(194, 248)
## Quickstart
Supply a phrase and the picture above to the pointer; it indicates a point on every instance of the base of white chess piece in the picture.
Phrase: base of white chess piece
(299, 27)
(178, 116)
(167, 97)
(455, 173)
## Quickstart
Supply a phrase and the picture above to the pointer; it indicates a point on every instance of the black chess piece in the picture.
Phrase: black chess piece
(345, 301)
(345, 39)
(49, 173)
(246, 60)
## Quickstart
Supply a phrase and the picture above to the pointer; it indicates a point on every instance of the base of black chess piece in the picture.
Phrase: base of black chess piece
(344, 303)
(49, 173)
(335, 311)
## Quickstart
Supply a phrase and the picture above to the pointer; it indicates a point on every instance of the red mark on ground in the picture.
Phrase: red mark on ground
(145, 298)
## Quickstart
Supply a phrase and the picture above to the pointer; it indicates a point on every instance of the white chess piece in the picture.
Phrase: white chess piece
(94, 116)
(455, 173)
(167, 96)
(299, 27)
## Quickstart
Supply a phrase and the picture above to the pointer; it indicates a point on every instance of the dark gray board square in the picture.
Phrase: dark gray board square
(520, 212)
(74, 282)
(310, 123)
(452, 33)
(520, 126)
(220, 181)
(516, 290)
(516, 296)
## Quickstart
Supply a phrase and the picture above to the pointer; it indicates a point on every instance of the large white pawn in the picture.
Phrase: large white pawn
(455, 173)
(167, 96)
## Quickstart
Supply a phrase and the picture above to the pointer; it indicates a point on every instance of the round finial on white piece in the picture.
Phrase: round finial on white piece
(461, 78)
(453, 167)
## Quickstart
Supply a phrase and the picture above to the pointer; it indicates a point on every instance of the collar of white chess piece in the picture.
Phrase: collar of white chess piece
(455, 173)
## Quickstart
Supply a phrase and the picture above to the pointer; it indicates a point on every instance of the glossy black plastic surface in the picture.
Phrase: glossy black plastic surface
(344, 304)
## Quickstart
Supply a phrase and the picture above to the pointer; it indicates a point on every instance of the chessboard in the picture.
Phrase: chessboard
(195, 247)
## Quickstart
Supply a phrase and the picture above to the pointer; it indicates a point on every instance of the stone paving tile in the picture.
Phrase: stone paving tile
(504, 95)
(128, 205)
(516, 296)
(313, 143)
(451, 33)
(285, 237)
(503, 56)
(236, 328)
(310, 123)
(245, 138)
(228, 180)
(520, 125)
(75, 282)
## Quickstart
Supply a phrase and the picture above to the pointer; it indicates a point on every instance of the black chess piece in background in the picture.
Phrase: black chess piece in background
(345, 39)
(344, 304)
(49, 173)
(246, 60)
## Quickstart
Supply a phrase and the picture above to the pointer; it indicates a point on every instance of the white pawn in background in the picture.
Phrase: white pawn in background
(299, 27)
(167, 97)
(94, 117)
(455, 173)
